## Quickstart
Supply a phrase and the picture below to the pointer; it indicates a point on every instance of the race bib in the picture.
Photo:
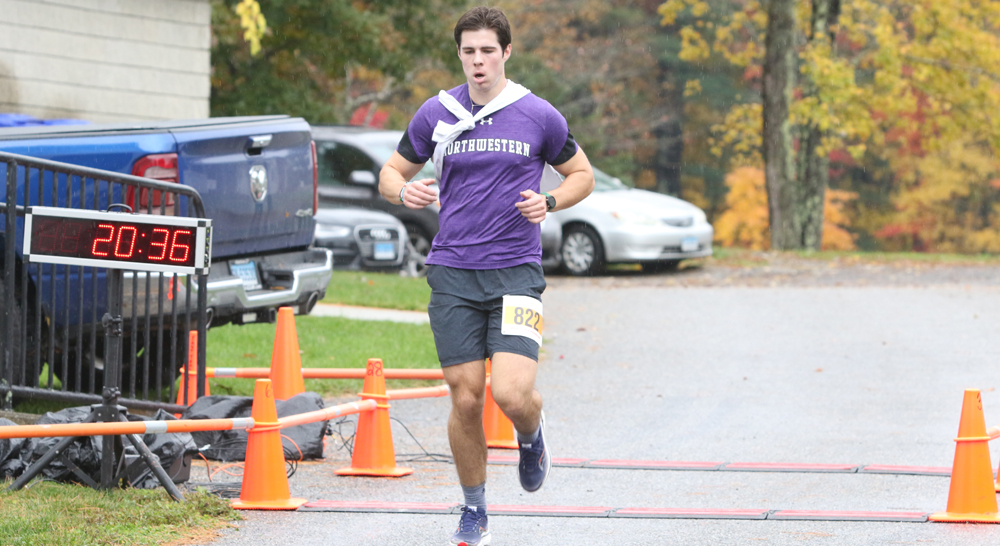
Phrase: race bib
(522, 316)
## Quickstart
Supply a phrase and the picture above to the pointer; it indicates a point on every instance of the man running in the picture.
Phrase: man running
(489, 140)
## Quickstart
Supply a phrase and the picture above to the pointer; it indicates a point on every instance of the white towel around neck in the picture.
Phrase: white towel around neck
(446, 133)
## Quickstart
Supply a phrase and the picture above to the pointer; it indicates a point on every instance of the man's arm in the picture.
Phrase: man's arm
(577, 184)
(394, 176)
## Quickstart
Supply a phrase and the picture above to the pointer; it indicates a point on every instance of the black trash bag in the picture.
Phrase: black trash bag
(174, 451)
(84, 452)
(11, 465)
(299, 442)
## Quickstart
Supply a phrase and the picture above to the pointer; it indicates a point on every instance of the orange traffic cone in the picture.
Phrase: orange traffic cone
(971, 497)
(187, 392)
(265, 484)
(498, 428)
(373, 451)
(286, 364)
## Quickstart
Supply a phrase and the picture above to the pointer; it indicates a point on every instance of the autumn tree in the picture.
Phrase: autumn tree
(323, 59)
(616, 75)
(889, 84)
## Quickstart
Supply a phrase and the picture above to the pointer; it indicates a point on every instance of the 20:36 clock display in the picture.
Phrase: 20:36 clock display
(116, 240)
(119, 241)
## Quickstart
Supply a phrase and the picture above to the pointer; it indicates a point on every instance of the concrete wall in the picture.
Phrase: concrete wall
(105, 60)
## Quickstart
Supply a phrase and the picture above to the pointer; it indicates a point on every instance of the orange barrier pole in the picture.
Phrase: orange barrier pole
(326, 373)
(971, 495)
(327, 413)
(188, 391)
(420, 392)
(114, 429)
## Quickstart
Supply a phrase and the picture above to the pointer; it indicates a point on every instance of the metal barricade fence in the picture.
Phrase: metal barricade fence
(50, 314)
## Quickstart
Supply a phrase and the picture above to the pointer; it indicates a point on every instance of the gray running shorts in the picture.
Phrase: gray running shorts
(466, 306)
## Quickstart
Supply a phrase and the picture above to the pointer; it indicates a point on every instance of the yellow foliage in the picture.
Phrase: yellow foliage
(744, 223)
(835, 221)
(949, 201)
(253, 23)
(692, 87)
(693, 45)
(669, 11)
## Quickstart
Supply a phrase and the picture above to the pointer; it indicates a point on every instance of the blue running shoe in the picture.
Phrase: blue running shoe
(473, 529)
(535, 461)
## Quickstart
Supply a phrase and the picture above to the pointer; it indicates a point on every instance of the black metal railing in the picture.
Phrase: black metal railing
(51, 336)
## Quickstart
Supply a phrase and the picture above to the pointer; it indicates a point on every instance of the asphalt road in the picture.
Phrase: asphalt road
(660, 368)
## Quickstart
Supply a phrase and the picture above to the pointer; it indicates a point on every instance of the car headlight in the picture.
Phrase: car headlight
(328, 230)
(636, 218)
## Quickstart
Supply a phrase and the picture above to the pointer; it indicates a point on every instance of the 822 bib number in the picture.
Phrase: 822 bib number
(522, 316)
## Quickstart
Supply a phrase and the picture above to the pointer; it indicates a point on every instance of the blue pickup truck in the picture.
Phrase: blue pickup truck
(257, 180)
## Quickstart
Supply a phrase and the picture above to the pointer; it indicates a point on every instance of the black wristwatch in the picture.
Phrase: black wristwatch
(550, 202)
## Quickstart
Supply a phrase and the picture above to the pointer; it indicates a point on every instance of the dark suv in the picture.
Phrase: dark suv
(350, 159)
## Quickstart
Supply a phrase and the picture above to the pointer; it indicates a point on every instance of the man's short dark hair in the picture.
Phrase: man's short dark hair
(483, 18)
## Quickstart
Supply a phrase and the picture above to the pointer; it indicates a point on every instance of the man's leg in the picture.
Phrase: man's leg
(465, 423)
(513, 387)
(512, 383)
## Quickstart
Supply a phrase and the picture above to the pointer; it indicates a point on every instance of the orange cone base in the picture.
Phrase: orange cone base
(394, 472)
(948, 517)
(284, 504)
(502, 444)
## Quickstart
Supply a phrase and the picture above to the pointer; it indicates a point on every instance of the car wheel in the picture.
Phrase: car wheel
(660, 266)
(582, 252)
(418, 247)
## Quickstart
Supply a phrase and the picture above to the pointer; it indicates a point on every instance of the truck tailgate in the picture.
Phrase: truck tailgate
(256, 180)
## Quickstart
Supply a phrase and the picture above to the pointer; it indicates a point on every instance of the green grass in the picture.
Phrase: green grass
(324, 342)
(72, 515)
(387, 290)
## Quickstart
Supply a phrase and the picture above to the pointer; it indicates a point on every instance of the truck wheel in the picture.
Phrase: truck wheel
(169, 367)
(17, 328)
(582, 252)
(89, 358)
(27, 352)
(95, 360)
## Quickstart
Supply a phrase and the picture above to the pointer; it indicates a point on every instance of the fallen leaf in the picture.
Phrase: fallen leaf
(249, 355)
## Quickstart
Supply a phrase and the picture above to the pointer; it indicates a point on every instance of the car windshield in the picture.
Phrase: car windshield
(605, 182)
(383, 150)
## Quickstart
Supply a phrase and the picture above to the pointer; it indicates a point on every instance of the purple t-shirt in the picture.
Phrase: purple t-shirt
(483, 173)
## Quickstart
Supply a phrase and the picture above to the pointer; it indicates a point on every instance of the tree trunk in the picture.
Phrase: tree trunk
(814, 169)
(668, 132)
(778, 144)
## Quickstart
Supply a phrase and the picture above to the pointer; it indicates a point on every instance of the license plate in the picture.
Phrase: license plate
(247, 272)
(385, 251)
(689, 244)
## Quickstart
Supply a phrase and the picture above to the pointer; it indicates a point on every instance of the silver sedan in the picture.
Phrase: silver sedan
(618, 224)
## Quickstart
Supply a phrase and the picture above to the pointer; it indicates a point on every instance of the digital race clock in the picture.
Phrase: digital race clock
(116, 240)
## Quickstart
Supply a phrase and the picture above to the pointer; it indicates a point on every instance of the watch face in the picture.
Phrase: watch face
(550, 202)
